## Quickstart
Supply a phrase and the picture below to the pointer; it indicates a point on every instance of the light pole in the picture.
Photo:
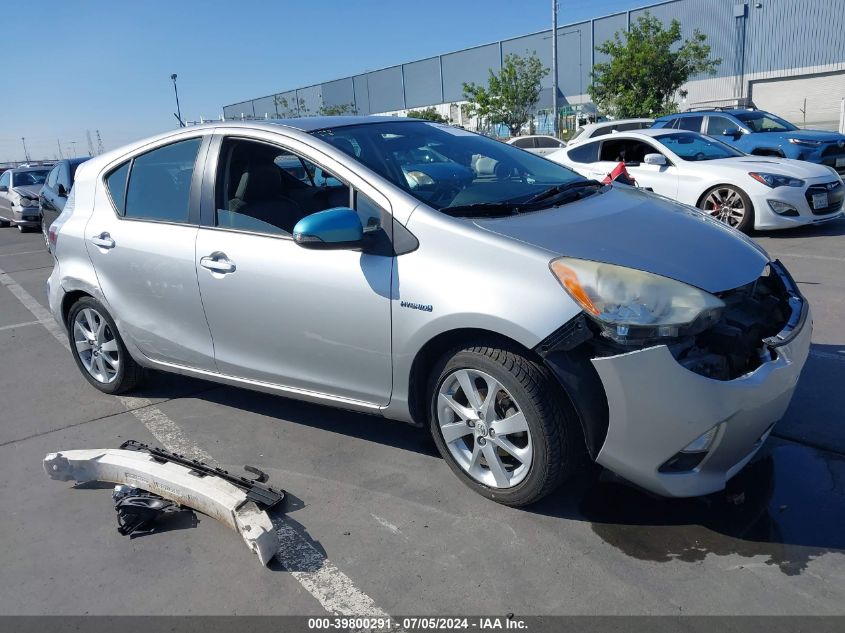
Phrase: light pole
(178, 114)
(25, 151)
(73, 143)
(554, 68)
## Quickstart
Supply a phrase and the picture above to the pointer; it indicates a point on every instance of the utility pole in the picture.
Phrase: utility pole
(90, 143)
(178, 114)
(25, 150)
(554, 69)
(100, 149)
(74, 148)
(60, 149)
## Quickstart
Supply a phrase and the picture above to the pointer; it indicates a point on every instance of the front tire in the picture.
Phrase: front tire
(99, 351)
(501, 423)
(730, 205)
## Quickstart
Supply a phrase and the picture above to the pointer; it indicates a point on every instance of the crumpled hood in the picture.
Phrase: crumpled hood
(632, 228)
(30, 191)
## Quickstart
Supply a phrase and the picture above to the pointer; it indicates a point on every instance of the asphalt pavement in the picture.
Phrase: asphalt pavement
(375, 520)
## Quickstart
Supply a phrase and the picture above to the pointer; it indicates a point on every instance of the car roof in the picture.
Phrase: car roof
(649, 131)
(19, 170)
(314, 123)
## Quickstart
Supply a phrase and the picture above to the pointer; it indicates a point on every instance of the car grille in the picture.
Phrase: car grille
(835, 195)
(834, 149)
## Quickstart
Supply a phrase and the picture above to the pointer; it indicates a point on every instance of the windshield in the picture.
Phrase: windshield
(765, 122)
(25, 178)
(696, 147)
(448, 167)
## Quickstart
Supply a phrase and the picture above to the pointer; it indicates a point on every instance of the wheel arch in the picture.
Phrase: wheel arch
(69, 299)
(436, 347)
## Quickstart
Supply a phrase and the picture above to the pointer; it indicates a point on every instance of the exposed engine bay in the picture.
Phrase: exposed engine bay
(754, 320)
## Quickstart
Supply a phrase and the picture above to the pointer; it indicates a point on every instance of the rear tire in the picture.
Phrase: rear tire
(515, 448)
(99, 350)
(4, 223)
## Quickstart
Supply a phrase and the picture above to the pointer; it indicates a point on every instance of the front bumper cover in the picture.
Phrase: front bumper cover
(657, 407)
(195, 487)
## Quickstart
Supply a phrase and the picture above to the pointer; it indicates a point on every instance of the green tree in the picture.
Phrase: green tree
(511, 94)
(337, 110)
(427, 114)
(646, 69)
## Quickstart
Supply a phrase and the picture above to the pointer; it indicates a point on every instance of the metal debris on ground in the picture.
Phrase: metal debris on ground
(138, 510)
(239, 502)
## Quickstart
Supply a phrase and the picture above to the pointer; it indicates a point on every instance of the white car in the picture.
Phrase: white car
(537, 143)
(592, 130)
(743, 191)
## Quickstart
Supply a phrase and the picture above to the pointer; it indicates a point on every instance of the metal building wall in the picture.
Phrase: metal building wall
(780, 37)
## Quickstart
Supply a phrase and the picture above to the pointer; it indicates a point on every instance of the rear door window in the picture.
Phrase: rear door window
(546, 142)
(524, 143)
(160, 183)
(584, 153)
(692, 123)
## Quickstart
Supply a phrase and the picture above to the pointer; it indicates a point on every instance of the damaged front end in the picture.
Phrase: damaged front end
(238, 502)
(681, 411)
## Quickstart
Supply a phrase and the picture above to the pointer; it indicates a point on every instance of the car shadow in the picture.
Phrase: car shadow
(831, 228)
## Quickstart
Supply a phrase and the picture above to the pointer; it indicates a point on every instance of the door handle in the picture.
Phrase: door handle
(103, 240)
(217, 262)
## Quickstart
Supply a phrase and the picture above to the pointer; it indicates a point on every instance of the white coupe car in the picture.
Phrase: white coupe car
(741, 190)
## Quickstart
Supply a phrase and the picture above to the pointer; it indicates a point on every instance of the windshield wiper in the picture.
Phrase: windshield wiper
(510, 207)
(558, 189)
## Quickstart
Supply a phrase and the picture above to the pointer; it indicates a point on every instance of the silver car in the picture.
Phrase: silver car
(19, 190)
(527, 316)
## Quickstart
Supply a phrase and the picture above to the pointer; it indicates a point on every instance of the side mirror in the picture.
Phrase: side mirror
(62, 191)
(654, 159)
(338, 228)
(733, 132)
(3, 189)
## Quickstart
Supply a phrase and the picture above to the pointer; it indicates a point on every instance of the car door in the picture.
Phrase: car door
(312, 321)
(547, 145)
(723, 128)
(5, 196)
(141, 239)
(662, 179)
(48, 197)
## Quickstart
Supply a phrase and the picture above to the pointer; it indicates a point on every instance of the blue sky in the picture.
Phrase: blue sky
(74, 65)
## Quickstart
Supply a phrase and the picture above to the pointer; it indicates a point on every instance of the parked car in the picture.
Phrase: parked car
(55, 191)
(524, 318)
(592, 130)
(745, 192)
(19, 189)
(762, 134)
(537, 144)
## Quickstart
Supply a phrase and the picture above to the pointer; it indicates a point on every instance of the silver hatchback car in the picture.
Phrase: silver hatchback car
(526, 315)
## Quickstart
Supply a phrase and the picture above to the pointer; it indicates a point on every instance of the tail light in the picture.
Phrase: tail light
(53, 236)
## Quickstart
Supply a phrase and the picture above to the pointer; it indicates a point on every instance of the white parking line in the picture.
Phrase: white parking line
(826, 258)
(333, 589)
(17, 325)
(24, 253)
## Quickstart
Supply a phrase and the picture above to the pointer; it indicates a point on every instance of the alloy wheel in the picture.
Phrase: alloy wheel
(726, 205)
(484, 428)
(96, 345)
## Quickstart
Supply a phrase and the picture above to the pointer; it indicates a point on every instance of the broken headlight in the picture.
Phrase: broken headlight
(633, 306)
